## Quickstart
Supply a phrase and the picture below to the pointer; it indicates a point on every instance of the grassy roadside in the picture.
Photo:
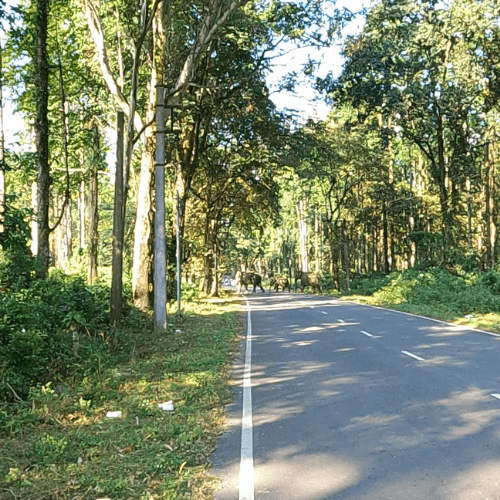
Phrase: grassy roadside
(489, 322)
(471, 300)
(60, 445)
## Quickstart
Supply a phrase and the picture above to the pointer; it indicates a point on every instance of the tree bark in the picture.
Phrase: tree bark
(81, 213)
(2, 152)
(93, 207)
(42, 135)
(118, 230)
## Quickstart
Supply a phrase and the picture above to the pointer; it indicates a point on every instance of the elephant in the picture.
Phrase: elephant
(250, 278)
(307, 279)
(279, 281)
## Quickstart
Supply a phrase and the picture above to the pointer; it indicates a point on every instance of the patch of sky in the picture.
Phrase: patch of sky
(303, 101)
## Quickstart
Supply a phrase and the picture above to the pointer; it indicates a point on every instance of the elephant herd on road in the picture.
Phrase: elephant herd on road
(311, 280)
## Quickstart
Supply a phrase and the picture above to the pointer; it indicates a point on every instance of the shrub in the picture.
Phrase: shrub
(17, 265)
(53, 328)
(436, 286)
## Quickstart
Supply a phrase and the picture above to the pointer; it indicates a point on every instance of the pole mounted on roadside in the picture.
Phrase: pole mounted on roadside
(165, 103)
(160, 275)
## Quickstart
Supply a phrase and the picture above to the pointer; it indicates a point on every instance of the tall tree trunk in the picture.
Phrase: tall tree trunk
(469, 212)
(2, 151)
(142, 261)
(444, 197)
(303, 235)
(34, 219)
(42, 135)
(386, 237)
(316, 240)
(347, 262)
(81, 213)
(93, 207)
(118, 230)
(64, 233)
(489, 188)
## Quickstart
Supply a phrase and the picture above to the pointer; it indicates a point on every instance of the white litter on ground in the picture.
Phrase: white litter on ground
(167, 406)
(114, 414)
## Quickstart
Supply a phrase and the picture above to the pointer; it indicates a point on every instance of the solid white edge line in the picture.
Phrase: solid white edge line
(462, 327)
(246, 480)
(366, 333)
(414, 356)
(496, 396)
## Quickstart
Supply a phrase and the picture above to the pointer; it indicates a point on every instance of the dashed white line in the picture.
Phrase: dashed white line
(460, 327)
(341, 321)
(414, 356)
(366, 333)
(246, 485)
(496, 396)
(324, 312)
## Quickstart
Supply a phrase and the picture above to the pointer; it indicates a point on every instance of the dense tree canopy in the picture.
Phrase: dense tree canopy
(402, 173)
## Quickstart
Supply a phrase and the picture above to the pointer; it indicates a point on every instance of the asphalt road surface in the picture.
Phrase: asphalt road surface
(344, 401)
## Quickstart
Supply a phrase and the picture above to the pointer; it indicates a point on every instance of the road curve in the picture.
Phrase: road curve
(355, 402)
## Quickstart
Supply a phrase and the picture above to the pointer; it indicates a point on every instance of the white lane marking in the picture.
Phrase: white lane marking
(324, 312)
(246, 463)
(366, 333)
(496, 396)
(460, 327)
(311, 307)
(484, 331)
(414, 356)
(341, 321)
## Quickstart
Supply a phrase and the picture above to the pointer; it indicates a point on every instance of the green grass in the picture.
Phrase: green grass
(467, 299)
(58, 444)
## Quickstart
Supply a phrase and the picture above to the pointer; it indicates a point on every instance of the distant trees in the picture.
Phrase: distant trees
(414, 128)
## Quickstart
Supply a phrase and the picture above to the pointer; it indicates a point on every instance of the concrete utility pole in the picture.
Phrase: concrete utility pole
(165, 104)
(160, 271)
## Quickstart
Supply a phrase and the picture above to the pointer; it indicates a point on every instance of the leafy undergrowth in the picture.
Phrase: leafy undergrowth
(58, 444)
(468, 299)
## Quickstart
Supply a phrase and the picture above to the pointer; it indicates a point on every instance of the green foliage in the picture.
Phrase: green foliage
(368, 285)
(17, 265)
(53, 328)
(436, 287)
(60, 445)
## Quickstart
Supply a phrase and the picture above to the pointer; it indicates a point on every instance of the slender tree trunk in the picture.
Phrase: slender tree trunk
(118, 229)
(81, 213)
(142, 262)
(444, 198)
(93, 207)
(316, 240)
(2, 151)
(469, 212)
(34, 219)
(42, 134)
(303, 235)
(386, 237)
(347, 262)
(64, 233)
(489, 186)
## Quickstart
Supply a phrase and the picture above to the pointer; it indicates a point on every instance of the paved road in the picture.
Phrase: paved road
(356, 402)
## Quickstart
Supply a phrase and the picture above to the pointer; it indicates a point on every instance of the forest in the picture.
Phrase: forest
(153, 158)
